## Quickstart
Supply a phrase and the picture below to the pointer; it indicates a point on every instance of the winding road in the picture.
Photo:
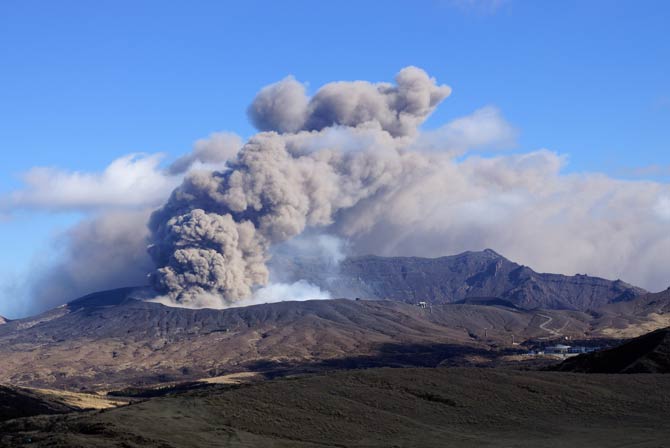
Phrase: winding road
(543, 326)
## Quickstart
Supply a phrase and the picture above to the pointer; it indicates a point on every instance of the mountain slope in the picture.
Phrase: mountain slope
(381, 408)
(16, 402)
(651, 303)
(635, 317)
(646, 354)
(109, 339)
(455, 278)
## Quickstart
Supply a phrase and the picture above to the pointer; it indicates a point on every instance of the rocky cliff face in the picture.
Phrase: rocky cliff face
(455, 278)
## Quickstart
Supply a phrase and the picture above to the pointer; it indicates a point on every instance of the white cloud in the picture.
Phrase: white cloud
(134, 180)
(521, 205)
(525, 208)
(662, 208)
(131, 181)
(645, 172)
(484, 129)
(276, 292)
(273, 292)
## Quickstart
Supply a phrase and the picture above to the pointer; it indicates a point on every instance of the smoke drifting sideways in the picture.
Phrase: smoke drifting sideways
(350, 162)
(317, 158)
(346, 171)
(107, 248)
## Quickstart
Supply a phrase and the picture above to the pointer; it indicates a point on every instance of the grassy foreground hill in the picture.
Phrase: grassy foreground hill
(380, 408)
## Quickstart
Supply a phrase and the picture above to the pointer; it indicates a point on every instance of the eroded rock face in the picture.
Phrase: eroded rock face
(455, 278)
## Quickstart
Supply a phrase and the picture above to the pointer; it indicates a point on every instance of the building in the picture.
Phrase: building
(558, 349)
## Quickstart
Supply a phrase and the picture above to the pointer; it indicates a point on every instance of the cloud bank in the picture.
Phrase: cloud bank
(351, 164)
(108, 248)
(130, 181)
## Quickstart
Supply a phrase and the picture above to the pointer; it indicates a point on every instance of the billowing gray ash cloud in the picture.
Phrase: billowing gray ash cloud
(350, 163)
(399, 109)
(344, 172)
(318, 158)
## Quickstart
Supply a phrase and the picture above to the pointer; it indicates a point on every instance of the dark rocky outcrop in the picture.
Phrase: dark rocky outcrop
(649, 353)
(455, 278)
(16, 402)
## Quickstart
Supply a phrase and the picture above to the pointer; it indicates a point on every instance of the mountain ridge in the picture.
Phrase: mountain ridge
(109, 338)
(454, 278)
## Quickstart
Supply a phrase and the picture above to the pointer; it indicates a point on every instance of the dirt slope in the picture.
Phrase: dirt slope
(107, 340)
(649, 353)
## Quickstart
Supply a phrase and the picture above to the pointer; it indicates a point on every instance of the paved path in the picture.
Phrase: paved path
(543, 326)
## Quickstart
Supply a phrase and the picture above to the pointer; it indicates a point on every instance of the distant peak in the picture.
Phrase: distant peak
(492, 252)
(488, 253)
(103, 298)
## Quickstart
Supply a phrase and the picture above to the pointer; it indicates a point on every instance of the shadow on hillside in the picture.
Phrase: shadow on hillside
(387, 355)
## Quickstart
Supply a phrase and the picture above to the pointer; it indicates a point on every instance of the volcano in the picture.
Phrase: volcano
(112, 339)
(456, 278)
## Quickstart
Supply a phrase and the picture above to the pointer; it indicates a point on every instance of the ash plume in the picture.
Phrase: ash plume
(347, 168)
(350, 162)
(214, 233)
(398, 109)
(214, 150)
(104, 252)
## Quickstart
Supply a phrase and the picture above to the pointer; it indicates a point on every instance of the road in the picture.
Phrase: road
(543, 326)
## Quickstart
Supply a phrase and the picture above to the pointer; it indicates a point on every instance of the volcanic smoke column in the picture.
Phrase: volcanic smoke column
(213, 235)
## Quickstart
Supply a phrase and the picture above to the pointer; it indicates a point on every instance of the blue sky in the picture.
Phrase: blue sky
(83, 83)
